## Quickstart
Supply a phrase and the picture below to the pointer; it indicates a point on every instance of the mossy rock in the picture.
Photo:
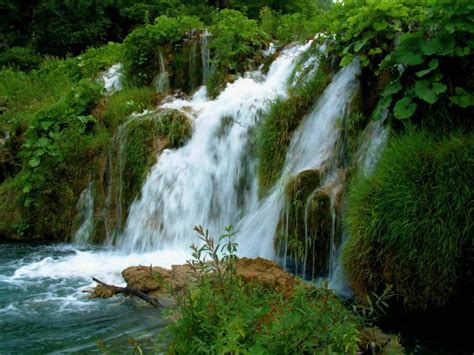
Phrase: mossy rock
(123, 169)
(411, 221)
(305, 227)
(10, 210)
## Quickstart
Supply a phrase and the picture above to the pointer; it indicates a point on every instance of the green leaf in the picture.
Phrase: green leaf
(440, 45)
(27, 188)
(404, 108)
(423, 91)
(375, 51)
(462, 52)
(439, 88)
(462, 98)
(392, 88)
(346, 60)
(431, 66)
(34, 162)
(409, 51)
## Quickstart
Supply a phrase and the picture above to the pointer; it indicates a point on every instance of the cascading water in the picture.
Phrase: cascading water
(375, 137)
(112, 78)
(210, 180)
(205, 55)
(311, 147)
(85, 212)
(162, 80)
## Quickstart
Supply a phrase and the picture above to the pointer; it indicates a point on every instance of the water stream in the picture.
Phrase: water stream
(211, 180)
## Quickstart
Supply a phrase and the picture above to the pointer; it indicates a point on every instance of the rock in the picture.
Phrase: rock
(157, 281)
(374, 341)
(101, 291)
(267, 273)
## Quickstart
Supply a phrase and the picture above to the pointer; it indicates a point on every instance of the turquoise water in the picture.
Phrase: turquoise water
(44, 310)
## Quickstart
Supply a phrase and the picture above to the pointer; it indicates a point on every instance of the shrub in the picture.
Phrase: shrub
(235, 40)
(142, 47)
(122, 104)
(411, 220)
(221, 313)
(22, 58)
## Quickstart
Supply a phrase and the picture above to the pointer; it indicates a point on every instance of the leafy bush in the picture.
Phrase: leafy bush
(142, 47)
(235, 39)
(60, 141)
(22, 58)
(221, 313)
(411, 220)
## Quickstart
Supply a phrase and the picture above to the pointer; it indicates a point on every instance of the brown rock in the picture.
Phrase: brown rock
(266, 273)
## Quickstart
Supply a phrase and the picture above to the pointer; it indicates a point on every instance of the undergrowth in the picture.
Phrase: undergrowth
(220, 313)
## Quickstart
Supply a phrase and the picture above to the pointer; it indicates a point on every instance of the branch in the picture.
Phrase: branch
(129, 291)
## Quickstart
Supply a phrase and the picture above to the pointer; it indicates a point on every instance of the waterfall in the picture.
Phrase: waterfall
(311, 147)
(205, 55)
(210, 180)
(112, 78)
(375, 137)
(162, 80)
(85, 217)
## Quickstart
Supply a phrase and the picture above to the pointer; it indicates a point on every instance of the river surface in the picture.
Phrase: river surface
(44, 309)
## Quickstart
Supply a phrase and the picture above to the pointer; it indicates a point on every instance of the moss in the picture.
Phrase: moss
(123, 103)
(10, 209)
(274, 134)
(306, 225)
(411, 220)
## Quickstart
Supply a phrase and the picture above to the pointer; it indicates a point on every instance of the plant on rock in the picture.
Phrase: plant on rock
(411, 221)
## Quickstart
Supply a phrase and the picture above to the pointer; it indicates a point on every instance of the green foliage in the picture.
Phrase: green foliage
(62, 27)
(142, 47)
(274, 134)
(10, 211)
(221, 313)
(235, 41)
(139, 141)
(22, 58)
(121, 104)
(367, 28)
(411, 220)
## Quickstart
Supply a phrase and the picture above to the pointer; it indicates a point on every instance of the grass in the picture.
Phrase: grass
(275, 132)
(411, 220)
(222, 314)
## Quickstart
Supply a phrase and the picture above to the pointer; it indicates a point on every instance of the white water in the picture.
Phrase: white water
(85, 211)
(205, 55)
(211, 180)
(112, 78)
(311, 146)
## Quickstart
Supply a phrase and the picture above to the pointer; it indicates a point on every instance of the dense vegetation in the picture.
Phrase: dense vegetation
(221, 313)
(410, 221)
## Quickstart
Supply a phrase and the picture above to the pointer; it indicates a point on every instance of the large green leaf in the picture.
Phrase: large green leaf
(429, 91)
(442, 44)
(34, 162)
(404, 108)
(392, 88)
(409, 51)
(462, 98)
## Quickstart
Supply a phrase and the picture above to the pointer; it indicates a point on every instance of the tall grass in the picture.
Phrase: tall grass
(412, 219)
